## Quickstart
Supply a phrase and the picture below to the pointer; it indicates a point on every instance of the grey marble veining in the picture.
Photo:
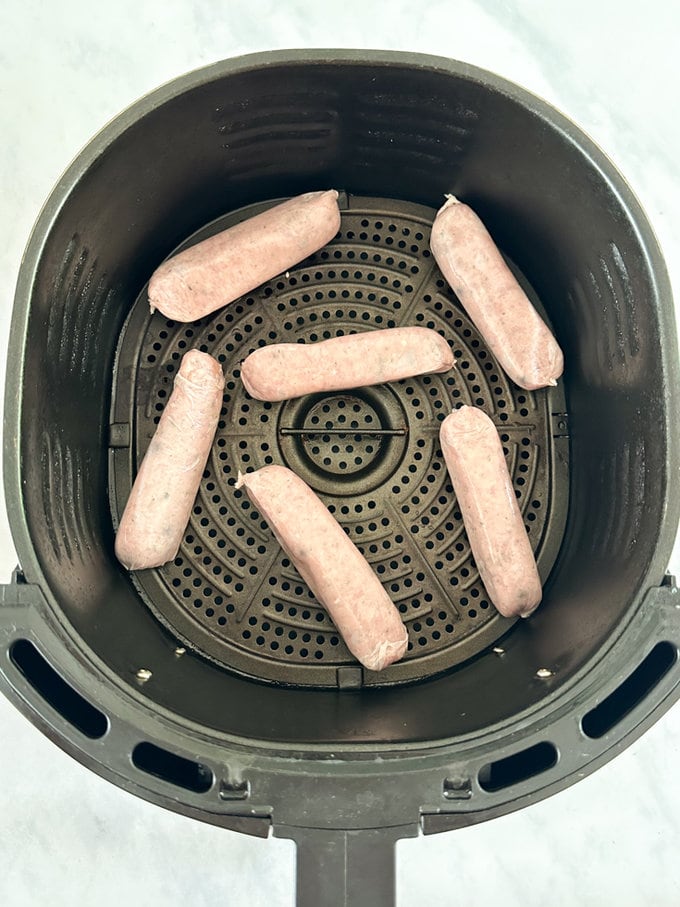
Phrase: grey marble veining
(66, 836)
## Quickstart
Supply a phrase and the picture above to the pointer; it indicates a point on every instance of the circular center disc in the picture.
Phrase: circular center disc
(344, 442)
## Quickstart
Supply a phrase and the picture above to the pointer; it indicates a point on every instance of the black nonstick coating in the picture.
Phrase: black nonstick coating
(378, 129)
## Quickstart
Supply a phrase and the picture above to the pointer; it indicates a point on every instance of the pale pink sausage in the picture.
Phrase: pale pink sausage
(284, 370)
(493, 522)
(218, 270)
(164, 491)
(514, 331)
(331, 565)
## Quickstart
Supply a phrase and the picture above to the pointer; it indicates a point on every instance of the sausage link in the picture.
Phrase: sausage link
(331, 565)
(158, 509)
(486, 287)
(493, 522)
(218, 270)
(281, 371)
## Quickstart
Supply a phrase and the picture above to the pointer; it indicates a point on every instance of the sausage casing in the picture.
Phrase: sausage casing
(488, 291)
(336, 572)
(215, 272)
(159, 506)
(500, 546)
(281, 371)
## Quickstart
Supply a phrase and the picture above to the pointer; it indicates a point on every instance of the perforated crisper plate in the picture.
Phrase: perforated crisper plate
(372, 454)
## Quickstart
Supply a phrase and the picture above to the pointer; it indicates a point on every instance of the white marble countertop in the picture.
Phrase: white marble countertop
(68, 837)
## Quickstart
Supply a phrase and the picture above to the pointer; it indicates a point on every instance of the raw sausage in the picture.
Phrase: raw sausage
(218, 270)
(493, 522)
(284, 370)
(331, 565)
(164, 491)
(514, 331)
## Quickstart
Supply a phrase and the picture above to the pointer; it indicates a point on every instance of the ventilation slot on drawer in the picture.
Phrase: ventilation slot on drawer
(172, 768)
(56, 691)
(631, 692)
(518, 767)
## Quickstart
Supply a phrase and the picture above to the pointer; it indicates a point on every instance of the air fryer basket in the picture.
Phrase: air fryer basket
(216, 686)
